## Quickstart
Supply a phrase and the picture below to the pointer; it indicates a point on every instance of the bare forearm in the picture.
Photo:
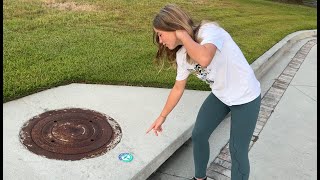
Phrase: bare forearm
(172, 101)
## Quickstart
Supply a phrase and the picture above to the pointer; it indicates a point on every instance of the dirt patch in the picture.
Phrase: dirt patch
(69, 5)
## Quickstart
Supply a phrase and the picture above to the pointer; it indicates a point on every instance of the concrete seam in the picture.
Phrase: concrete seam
(304, 94)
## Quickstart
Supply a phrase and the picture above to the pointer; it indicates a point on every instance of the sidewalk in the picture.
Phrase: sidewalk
(287, 145)
(284, 142)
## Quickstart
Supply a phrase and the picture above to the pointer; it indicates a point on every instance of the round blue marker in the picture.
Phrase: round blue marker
(125, 157)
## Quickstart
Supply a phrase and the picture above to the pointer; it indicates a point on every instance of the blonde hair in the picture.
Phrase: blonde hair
(172, 18)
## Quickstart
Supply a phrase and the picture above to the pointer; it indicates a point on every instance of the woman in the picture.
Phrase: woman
(210, 53)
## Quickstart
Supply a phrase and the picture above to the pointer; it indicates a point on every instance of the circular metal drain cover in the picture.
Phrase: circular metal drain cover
(70, 134)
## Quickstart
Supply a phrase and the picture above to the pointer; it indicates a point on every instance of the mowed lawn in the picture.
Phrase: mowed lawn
(48, 43)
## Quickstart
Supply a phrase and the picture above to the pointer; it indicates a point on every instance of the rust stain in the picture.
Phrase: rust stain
(70, 134)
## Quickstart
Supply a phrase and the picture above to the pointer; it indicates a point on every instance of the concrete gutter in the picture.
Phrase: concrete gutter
(266, 61)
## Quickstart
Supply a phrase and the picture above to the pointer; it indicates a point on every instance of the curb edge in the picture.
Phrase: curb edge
(261, 65)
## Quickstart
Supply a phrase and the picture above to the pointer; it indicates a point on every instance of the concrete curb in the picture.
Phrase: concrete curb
(265, 62)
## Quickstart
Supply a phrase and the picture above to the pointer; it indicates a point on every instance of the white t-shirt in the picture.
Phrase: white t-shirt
(229, 75)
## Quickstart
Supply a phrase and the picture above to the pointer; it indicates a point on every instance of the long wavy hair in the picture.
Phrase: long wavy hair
(172, 18)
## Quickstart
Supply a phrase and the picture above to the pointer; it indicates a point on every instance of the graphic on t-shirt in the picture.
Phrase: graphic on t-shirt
(201, 73)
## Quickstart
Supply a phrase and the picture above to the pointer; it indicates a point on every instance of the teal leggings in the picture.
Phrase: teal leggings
(243, 122)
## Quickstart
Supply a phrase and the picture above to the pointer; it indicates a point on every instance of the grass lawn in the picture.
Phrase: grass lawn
(49, 43)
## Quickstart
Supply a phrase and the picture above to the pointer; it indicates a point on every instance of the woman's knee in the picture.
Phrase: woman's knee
(199, 135)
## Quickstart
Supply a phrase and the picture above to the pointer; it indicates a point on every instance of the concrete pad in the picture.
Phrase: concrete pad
(307, 74)
(161, 176)
(134, 108)
(181, 163)
(310, 91)
(286, 148)
(306, 78)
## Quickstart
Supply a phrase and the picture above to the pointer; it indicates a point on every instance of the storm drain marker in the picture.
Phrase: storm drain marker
(70, 134)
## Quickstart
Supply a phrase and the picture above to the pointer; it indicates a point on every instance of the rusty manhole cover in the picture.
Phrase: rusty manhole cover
(70, 134)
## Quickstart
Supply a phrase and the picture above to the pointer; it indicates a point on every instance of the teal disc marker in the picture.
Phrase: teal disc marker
(125, 157)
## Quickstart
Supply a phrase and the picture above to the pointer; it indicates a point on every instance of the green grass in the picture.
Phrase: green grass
(45, 47)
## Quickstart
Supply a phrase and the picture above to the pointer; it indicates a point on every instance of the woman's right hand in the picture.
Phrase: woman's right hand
(173, 99)
(156, 125)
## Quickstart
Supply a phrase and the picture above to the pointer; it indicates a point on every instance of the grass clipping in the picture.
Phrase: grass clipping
(69, 5)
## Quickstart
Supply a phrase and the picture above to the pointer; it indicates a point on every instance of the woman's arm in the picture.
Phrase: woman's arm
(173, 99)
(202, 54)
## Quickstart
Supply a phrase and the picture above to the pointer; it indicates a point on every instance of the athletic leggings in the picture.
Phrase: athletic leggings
(243, 122)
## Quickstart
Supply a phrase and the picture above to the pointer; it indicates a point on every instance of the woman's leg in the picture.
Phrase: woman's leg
(243, 121)
(211, 113)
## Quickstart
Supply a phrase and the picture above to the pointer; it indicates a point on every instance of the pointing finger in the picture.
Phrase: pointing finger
(151, 127)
